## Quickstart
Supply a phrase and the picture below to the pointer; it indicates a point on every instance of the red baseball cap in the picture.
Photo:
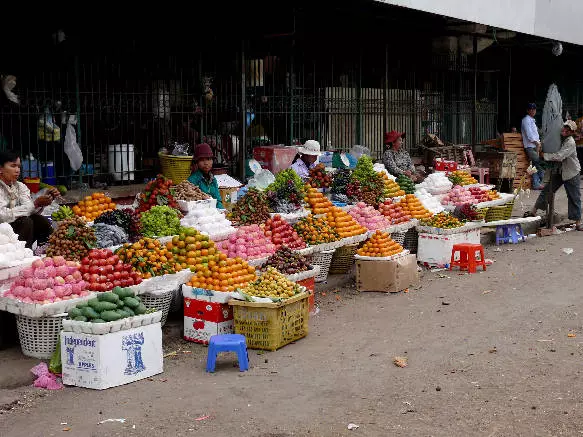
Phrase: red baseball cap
(392, 136)
(202, 151)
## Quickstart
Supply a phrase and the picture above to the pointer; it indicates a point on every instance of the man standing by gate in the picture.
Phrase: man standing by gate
(532, 146)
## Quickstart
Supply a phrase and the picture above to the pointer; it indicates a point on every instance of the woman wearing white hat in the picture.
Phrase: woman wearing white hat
(306, 158)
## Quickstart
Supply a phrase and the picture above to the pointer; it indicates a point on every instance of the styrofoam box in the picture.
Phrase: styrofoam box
(435, 249)
(110, 360)
(203, 319)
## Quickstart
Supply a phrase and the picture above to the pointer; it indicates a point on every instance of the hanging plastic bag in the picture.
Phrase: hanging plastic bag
(47, 128)
(552, 121)
(8, 84)
(72, 149)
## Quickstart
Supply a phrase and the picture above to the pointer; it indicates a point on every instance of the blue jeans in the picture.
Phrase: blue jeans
(572, 187)
(538, 177)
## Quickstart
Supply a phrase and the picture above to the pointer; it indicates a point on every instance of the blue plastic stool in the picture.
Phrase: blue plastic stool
(227, 343)
(509, 234)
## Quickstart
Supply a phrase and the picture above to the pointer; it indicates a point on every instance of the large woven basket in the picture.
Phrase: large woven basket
(343, 259)
(39, 335)
(496, 213)
(176, 168)
(322, 259)
(160, 302)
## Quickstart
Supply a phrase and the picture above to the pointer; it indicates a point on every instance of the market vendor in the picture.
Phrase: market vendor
(306, 158)
(569, 176)
(17, 206)
(396, 159)
(202, 176)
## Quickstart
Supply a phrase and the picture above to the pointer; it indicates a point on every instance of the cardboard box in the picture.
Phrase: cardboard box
(203, 319)
(104, 361)
(387, 276)
(435, 250)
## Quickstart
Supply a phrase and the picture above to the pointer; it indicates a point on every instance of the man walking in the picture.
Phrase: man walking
(532, 146)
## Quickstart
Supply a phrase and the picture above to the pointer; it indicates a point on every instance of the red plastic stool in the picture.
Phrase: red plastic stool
(468, 259)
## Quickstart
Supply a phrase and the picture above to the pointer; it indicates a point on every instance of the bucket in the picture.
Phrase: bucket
(30, 169)
(121, 162)
(49, 173)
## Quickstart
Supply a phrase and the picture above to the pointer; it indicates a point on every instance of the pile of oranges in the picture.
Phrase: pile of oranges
(343, 223)
(93, 206)
(148, 257)
(319, 204)
(413, 207)
(226, 275)
(392, 189)
(380, 245)
(315, 231)
(191, 249)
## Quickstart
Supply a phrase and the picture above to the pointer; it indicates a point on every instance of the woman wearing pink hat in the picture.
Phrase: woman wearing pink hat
(396, 159)
(202, 177)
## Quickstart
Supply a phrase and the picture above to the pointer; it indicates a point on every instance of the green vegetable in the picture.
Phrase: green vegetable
(104, 306)
(123, 313)
(75, 312)
(110, 316)
(131, 302)
(140, 309)
(160, 221)
(98, 321)
(82, 304)
(90, 313)
(129, 311)
(80, 319)
(120, 304)
(123, 292)
(93, 303)
(108, 297)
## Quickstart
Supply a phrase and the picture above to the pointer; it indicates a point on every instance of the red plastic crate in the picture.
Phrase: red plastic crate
(445, 165)
(310, 284)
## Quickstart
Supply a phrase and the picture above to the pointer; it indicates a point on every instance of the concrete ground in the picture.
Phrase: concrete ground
(491, 354)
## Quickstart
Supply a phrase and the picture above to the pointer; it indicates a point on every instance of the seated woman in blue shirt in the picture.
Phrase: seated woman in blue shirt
(202, 177)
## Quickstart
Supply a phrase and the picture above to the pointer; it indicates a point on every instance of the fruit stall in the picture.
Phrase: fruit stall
(109, 269)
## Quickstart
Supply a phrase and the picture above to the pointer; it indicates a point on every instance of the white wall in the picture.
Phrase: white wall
(553, 19)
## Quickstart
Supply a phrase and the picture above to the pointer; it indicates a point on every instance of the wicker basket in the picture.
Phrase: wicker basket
(160, 302)
(176, 168)
(270, 326)
(496, 213)
(322, 259)
(343, 259)
(399, 237)
(39, 335)
(411, 240)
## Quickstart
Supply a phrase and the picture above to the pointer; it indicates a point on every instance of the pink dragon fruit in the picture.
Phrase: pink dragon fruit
(77, 275)
(37, 284)
(73, 269)
(28, 272)
(59, 280)
(59, 261)
(78, 287)
(28, 282)
(62, 271)
(38, 294)
(38, 264)
(27, 292)
(48, 261)
(27, 300)
(51, 271)
(41, 274)
(68, 289)
(71, 264)
(50, 282)
(19, 281)
(18, 291)
(69, 279)
(49, 294)
(59, 291)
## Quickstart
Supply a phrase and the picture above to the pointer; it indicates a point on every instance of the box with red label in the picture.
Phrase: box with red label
(441, 165)
(274, 158)
(203, 319)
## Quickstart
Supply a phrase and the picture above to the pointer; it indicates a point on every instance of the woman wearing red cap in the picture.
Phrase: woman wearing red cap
(202, 177)
(397, 160)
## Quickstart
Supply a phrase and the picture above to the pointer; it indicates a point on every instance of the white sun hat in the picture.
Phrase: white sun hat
(310, 147)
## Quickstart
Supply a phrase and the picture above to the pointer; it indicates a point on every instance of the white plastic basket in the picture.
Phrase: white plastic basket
(161, 302)
(399, 237)
(39, 335)
(322, 259)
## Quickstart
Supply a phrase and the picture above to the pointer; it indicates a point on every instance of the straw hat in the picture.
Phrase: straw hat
(571, 125)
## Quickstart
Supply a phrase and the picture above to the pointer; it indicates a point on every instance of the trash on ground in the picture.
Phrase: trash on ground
(400, 361)
(567, 250)
(111, 420)
(486, 291)
(199, 419)
(571, 335)
(352, 426)
(44, 378)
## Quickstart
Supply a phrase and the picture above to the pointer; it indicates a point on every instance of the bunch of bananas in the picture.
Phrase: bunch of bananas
(64, 212)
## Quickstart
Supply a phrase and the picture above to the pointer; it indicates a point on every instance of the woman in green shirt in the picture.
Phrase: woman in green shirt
(202, 177)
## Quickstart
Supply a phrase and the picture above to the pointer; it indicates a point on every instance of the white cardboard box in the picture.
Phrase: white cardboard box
(104, 361)
(435, 249)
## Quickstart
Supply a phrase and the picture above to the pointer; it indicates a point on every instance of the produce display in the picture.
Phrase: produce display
(393, 212)
(468, 212)
(436, 183)
(225, 275)
(160, 221)
(281, 233)
(319, 177)
(158, 192)
(460, 177)
(186, 190)
(339, 185)
(479, 194)
(442, 220)
(371, 183)
(493, 195)
(380, 245)
(316, 231)
(72, 239)
(318, 203)
(392, 188)
(458, 196)
(285, 194)
(287, 262)
(368, 217)
(209, 220)
(64, 212)
(109, 235)
(127, 219)
(249, 242)
(430, 203)
(191, 249)
(406, 184)
(271, 284)
(102, 271)
(109, 307)
(148, 257)
(250, 209)
(48, 280)
(413, 207)
(93, 206)
(11, 250)
(344, 224)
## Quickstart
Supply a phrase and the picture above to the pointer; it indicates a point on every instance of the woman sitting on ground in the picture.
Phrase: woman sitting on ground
(396, 159)
(17, 206)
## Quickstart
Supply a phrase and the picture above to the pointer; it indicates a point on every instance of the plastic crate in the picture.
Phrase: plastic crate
(310, 284)
(496, 213)
(343, 259)
(398, 237)
(39, 335)
(270, 326)
(161, 302)
(411, 240)
(322, 259)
